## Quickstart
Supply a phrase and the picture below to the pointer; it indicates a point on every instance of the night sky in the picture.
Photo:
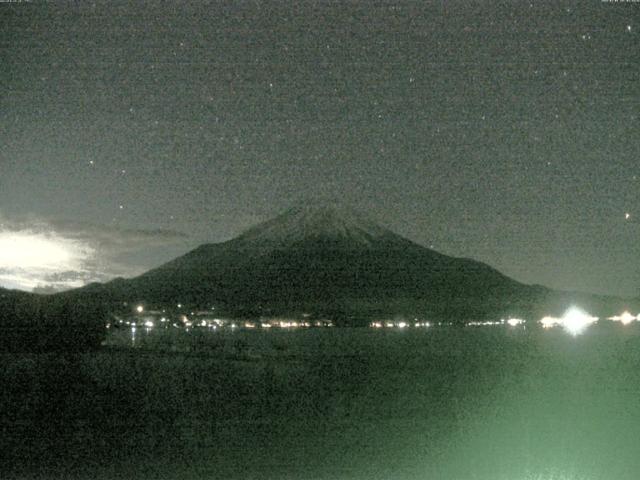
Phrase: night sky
(508, 132)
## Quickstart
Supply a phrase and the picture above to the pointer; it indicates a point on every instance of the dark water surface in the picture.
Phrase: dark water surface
(442, 403)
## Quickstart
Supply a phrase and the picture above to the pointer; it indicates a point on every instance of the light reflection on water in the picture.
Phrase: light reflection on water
(444, 402)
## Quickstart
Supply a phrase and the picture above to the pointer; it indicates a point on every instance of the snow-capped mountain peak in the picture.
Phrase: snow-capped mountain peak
(321, 221)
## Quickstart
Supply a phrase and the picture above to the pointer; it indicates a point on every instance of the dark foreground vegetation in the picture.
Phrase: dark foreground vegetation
(41, 323)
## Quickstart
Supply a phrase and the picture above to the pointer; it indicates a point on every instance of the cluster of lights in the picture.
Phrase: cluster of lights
(289, 324)
(549, 322)
(297, 324)
(626, 318)
(574, 321)
(488, 323)
(399, 324)
(186, 320)
(514, 322)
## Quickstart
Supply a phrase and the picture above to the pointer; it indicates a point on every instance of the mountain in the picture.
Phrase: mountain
(330, 260)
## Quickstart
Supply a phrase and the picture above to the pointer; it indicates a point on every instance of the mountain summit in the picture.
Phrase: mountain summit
(324, 221)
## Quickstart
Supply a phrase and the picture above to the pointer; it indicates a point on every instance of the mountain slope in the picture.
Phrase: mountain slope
(325, 260)
(331, 261)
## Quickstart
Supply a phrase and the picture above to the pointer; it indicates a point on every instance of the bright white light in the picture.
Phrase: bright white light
(402, 325)
(548, 322)
(575, 320)
(148, 324)
(626, 318)
(514, 322)
(139, 309)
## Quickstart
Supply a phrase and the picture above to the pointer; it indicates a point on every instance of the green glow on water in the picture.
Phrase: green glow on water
(494, 403)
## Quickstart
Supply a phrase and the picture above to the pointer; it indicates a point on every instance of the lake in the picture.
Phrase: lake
(445, 403)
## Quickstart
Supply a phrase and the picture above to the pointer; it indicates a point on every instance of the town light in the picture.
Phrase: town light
(575, 320)
(626, 318)
(514, 322)
(548, 322)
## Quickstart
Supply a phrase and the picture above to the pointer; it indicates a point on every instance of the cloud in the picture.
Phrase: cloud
(118, 237)
(114, 236)
(54, 254)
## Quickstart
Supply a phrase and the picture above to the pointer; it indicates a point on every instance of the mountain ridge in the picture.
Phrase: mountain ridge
(334, 261)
